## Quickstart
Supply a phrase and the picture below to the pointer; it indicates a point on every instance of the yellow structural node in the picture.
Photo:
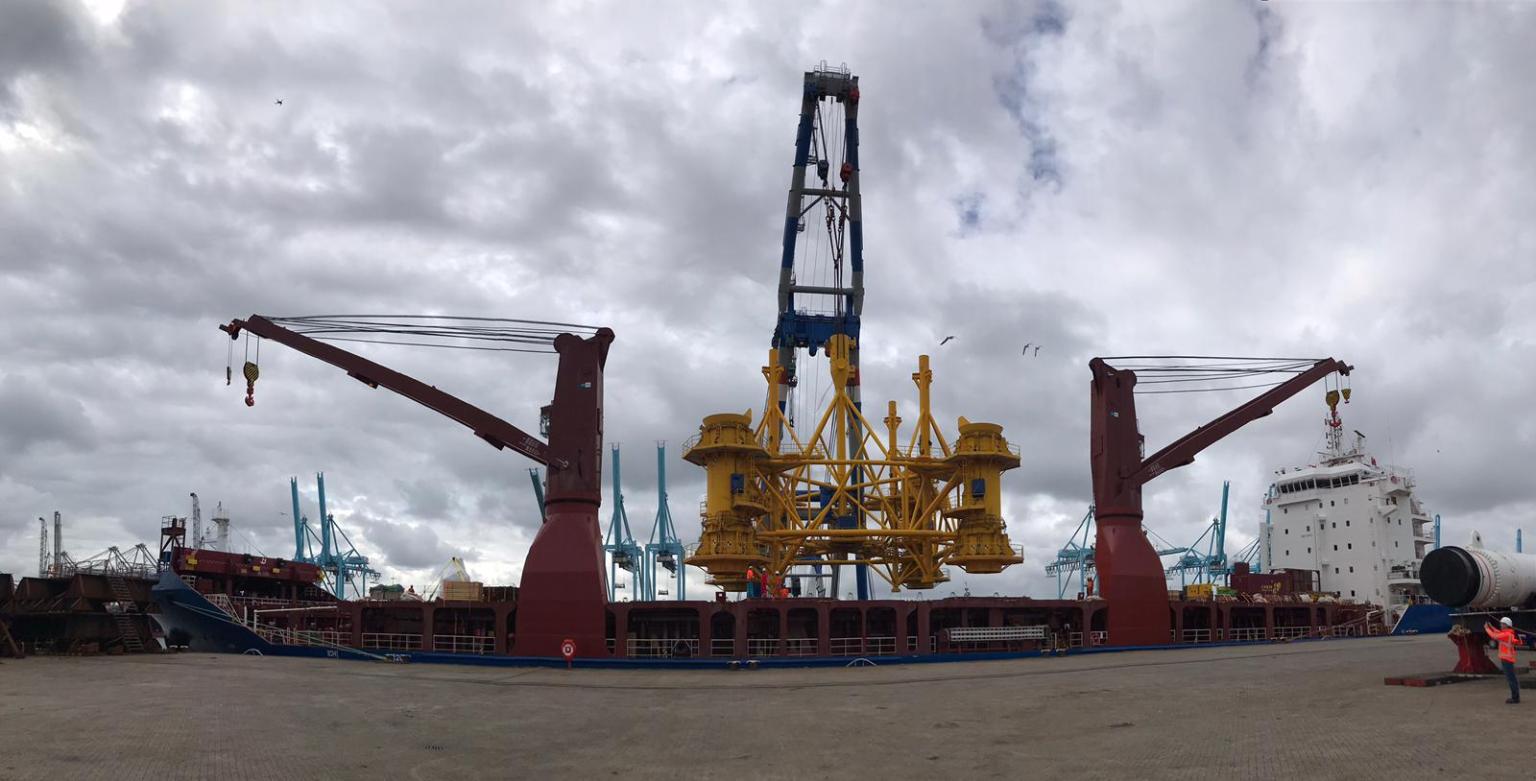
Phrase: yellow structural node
(849, 492)
(981, 455)
(728, 450)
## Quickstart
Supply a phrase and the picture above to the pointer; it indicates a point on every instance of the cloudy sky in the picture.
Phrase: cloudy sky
(1233, 178)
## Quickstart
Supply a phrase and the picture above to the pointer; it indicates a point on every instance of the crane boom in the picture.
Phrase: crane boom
(1183, 450)
(562, 596)
(1131, 576)
(499, 433)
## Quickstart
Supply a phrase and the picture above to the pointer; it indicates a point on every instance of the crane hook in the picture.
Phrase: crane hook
(252, 372)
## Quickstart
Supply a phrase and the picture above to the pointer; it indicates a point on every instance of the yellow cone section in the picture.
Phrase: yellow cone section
(981, 456)
(729, 451)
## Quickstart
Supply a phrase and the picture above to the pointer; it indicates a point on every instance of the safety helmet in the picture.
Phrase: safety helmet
(1506, 622)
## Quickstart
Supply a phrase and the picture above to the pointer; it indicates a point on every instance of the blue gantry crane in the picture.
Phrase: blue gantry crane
(1205, 560)
(1076, 557)
(337, 557)
(538, 490)
(623, 553)
(665, 550)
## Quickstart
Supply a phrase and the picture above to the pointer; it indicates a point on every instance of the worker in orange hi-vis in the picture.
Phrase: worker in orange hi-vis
(752, 583)
(1505, 635)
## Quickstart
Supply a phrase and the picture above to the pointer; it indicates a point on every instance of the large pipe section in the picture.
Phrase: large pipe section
(1476, 578)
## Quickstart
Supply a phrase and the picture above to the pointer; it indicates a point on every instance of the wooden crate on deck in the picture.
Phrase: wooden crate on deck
(463, 591)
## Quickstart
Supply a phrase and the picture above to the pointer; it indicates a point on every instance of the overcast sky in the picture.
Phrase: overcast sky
(1231, 178)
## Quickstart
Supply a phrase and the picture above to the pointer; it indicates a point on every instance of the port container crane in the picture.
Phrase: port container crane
(1209, 563)
(619, 543)
(562, 591)
(664, 550)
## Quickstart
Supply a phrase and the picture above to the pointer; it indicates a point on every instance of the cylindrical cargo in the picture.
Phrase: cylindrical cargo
(1471, 577)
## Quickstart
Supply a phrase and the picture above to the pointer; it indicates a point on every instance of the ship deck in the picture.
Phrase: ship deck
(1304, 710)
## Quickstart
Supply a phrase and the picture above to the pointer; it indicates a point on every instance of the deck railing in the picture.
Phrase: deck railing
(463, 644)
(722, 646)
(846, 646)
(660, 648)
(762, 646)
(392, 641)
(801, 646)
(1247, 634)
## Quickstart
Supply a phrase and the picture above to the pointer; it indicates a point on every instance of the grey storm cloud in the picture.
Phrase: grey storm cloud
(1250, 178)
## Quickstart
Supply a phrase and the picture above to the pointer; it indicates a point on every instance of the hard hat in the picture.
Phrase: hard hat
(1506, 622)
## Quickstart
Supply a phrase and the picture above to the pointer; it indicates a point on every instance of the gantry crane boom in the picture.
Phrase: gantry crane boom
(488, 427)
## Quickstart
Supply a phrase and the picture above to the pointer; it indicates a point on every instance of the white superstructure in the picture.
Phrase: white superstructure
(1357, 523)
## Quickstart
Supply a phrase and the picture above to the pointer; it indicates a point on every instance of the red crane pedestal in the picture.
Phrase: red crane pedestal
(564, 592)
(1132, 582)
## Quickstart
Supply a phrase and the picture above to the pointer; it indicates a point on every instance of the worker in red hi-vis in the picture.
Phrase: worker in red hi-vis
(752, 584)
(1505, 635)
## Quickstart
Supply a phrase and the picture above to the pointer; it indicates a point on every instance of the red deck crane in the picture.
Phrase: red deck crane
(1130, 574)
(563, 592)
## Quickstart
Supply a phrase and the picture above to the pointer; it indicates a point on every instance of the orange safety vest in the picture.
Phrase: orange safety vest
(1506, 638)
(752, 574)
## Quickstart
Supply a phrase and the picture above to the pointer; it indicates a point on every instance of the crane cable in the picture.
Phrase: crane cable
(1189, 372)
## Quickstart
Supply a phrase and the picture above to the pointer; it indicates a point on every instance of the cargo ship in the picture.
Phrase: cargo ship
(1359, 524)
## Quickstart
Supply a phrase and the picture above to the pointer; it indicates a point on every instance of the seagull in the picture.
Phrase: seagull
(1026, 348)
(1037, 349)
(278, 102)
(946, 341)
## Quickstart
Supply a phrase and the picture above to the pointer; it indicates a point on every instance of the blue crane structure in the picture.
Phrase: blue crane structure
(1076, 557)
(1205, 560)
(619, 543)
(337, 557)
(821, 280)
(664, 550)
(538, 490)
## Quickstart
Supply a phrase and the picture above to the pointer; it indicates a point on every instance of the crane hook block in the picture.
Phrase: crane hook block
(251, 372)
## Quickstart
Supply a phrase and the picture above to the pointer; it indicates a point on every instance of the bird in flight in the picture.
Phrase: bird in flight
(278, 102)
(1026, 348)
(946, 341)
(1037, 349)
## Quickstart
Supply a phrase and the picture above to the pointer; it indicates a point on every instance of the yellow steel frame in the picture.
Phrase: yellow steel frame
(775, 499)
